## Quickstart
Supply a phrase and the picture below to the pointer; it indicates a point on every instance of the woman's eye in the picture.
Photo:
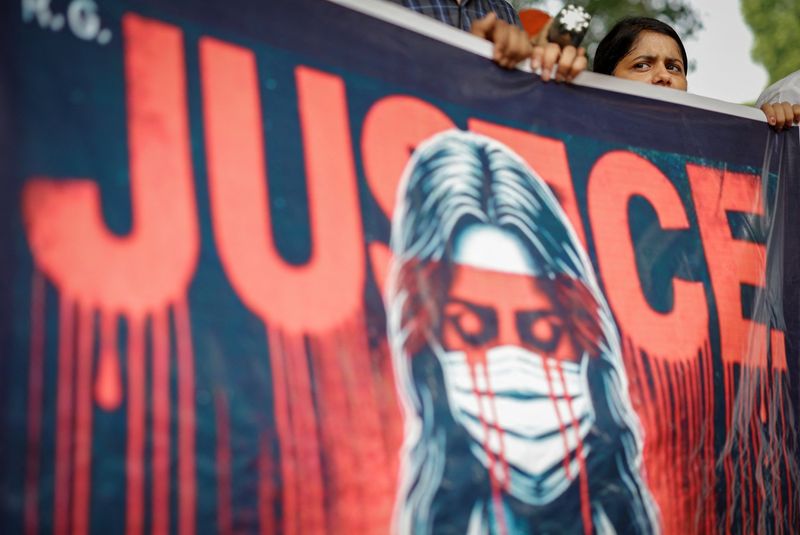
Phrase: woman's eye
(468, 326)
(640, 66)
(675, 68)
(467, 323)
(541, 330)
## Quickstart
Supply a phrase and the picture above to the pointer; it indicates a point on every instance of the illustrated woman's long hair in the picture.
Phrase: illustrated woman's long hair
(453, 180)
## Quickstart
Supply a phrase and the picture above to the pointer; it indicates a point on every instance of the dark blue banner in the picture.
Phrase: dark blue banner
(288, 268)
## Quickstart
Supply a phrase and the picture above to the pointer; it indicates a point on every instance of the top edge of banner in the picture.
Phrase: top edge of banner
(421, 24)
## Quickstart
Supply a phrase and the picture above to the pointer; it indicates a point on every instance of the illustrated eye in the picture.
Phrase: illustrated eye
(540, 329)
(472, 325)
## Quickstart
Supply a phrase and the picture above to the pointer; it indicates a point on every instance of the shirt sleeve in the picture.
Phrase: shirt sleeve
(507, 12)
(784, 90)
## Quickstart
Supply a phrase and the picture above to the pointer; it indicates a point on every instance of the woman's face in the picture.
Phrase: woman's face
(655, 58)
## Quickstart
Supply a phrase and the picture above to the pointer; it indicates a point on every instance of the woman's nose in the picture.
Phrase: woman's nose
(662, 76)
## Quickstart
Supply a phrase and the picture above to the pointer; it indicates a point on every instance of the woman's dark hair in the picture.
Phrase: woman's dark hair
(619, 41)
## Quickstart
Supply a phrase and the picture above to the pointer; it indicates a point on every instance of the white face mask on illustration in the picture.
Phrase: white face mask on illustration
(522, 411)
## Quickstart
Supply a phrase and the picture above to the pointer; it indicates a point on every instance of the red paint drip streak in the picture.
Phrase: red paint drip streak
(661, 443)
(673, 458)
(685, 401)
(762, 396)
(743, 498)
(744, 459)
(266, 489)
(775, 457)
(672, 407)
(682, 371)
(224, 513)
(347, 354)
(781, 460)
(283, 423)
(728, 463)
(134, 520)
(683, 442)
(187, 480)
(377, 482)
(35, 403)
(692, 371)
(646, 395)
(746, 471)
(758, 495)
(83, 423)
(493, 483)
(108, 387)
(701, 466)
(692, 468)
(312, 512)
(755, 445)
(499, 459)
(698, 445)
(586, 511)
(500, 434)
(778, 419)
(391, 417)
(562, 428)
(64, 416)
(161, 422)
(705, 467)
(708, 375)
(338, 438)
(765, 459)
(675, 408)
(690, 454)
(789, 490)
(709, 411)
(687, 373)
(634, 358)
(669, 517)
(653, 456)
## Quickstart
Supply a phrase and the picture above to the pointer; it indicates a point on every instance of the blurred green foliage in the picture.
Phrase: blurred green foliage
(776, 27)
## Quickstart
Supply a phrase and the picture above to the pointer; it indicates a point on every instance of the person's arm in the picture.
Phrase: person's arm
(780, 102)
(512, 45)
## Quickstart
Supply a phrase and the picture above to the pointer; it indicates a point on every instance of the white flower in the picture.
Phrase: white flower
(574, 19)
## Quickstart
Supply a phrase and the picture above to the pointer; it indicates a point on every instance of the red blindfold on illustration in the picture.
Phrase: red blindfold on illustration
(496, 297)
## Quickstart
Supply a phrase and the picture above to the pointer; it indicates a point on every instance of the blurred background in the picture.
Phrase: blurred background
(736, 48)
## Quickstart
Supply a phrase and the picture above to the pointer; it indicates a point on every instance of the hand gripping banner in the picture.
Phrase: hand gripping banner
(318, 267)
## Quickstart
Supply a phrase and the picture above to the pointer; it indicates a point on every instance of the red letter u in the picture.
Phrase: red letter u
(328, 289)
